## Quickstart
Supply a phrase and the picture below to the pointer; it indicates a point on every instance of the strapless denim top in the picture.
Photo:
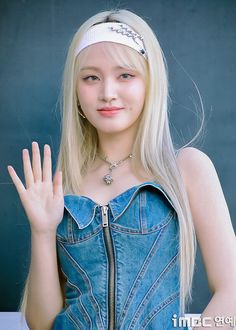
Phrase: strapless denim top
(120, 260)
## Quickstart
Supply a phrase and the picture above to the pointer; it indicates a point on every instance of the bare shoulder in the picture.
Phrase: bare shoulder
(210, 217)
(189, 158)
(195, 166)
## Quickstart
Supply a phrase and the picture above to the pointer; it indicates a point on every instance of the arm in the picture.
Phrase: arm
(43, 202)
(214, 231)
(44, 298)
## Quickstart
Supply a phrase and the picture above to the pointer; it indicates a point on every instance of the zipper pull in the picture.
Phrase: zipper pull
(104, 215)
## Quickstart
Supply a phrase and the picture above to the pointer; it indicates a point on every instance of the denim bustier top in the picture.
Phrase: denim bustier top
(120, 260)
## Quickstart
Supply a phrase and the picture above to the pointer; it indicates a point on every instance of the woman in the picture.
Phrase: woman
(125, 230)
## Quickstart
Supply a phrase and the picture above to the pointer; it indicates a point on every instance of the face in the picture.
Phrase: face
(111, 96)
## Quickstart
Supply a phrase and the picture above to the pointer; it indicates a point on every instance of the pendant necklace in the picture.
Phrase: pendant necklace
(108, 179)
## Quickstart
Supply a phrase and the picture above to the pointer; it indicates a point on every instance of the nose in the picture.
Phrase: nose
(108, 91)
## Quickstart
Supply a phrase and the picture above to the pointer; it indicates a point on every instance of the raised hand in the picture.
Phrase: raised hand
(42, 198)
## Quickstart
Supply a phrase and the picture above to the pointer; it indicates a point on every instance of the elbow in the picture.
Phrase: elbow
(38, 319)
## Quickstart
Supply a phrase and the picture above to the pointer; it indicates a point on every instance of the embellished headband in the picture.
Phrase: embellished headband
(115, 32)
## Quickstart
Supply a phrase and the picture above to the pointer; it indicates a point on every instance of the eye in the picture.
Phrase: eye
(126, 76)
(90, 78)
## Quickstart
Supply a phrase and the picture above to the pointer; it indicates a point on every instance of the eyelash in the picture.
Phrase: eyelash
(86, 78)
(123, 74)
(127, 74)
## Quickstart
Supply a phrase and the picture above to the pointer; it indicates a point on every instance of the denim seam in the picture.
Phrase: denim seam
(143, 202)
(81, 306)
(85, 238)
(78, 222)
(59, 237)
(70, 229)
(71, 317)
(154, 229)
(88, 284)
(134, 195)
(151, 291)
(160, 307)
(140, 275)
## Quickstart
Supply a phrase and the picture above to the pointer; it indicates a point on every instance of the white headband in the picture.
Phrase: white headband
(115, 32)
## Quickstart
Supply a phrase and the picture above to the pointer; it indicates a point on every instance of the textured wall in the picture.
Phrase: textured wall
(199, 41)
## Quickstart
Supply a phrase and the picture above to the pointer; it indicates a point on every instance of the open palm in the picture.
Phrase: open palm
(42, 198)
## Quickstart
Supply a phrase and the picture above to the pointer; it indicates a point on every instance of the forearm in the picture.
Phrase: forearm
(222, 304)
(44, 299)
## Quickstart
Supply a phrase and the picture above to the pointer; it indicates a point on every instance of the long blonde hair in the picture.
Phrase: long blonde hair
(153, 144)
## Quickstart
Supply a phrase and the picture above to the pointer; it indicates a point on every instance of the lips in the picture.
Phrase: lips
(109, 111)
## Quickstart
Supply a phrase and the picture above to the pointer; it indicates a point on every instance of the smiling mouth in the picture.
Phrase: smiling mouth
(106, 111)
(110, 109)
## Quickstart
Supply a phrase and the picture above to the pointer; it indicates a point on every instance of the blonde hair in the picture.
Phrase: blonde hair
(153, 144)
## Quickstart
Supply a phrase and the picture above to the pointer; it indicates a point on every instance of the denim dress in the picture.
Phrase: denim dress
(121, 261)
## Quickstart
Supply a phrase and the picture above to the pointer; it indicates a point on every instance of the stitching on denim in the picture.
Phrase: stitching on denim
(71, 317)
(161, 225)
(70, 229)
(88, 284)
(140, 275)
(72, 285)
(127, 206)
(89, 235)
(160, 307)
(75, 218)
(134, 195)
(151, 291)
(143, 202)
(81, 306)
(85, 238)
(59, 237)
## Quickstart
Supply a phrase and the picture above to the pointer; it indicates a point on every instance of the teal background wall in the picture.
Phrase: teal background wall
(199, 41)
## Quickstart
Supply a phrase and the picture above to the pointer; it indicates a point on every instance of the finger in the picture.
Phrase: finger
(29, 178)
(36, 160)
(47, 164)
(57, 184)
(16, 180)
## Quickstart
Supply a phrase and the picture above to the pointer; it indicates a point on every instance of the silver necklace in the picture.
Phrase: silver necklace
(108, 179)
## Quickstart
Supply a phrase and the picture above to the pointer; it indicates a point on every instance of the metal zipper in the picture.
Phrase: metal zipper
(111, 261)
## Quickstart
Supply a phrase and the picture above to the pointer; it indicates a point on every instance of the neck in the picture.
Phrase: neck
(115, 146)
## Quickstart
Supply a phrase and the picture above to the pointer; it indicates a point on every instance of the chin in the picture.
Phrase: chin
(111, 130)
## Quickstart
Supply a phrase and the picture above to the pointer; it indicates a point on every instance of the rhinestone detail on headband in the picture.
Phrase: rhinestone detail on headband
(120, 33)
(129, 33)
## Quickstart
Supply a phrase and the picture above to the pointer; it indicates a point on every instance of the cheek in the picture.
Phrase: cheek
(136, 92)
(86, 96)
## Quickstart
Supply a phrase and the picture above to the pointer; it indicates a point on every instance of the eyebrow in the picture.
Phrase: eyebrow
(97, 69)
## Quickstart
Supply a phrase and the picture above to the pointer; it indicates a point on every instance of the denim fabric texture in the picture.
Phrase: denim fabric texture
(140, 251)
